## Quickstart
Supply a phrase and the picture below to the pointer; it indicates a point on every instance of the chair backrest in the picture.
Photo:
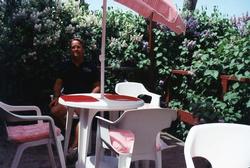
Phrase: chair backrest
(3, 123)
(8, 116)
(222, 144)
(5, 106)
(146, 124)
(130, 88)
(135, 89)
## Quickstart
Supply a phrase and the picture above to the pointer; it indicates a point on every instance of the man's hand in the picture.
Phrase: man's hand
(53, 102)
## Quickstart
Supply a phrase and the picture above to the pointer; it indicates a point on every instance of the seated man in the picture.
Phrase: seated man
(75, 76)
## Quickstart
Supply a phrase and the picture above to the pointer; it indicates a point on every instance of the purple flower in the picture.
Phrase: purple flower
(197, 34)
(192, 24)
(145, 45)
(191, 44)
(206, 33)
(161, 83)
(240, 24)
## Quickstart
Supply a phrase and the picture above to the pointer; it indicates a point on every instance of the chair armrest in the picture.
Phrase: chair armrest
(155, 99)
(103, 126)
(37, 118)
(23, 108)
(34, 118)
(17, 118)
(104, 120)
(28, 108)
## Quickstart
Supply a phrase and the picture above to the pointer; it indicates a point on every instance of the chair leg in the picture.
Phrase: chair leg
(60, 152)
(158, 162)
(137, 164)
(99, 156)
(51, 155)
(98, 149)
(68, 127)
(18, 155)
(124, 161)
(98, 153)
(145, 163)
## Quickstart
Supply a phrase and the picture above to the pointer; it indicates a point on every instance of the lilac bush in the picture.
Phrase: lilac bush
(241, 24)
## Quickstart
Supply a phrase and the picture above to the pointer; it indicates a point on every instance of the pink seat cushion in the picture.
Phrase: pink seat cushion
(28, 133)
(122, 140)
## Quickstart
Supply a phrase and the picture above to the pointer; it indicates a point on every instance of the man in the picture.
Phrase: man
(75, 76)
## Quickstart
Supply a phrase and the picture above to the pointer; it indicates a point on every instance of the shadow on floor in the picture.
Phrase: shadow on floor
(37, 157)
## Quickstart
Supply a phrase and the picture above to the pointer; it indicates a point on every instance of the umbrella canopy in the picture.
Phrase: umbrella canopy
(160, 11)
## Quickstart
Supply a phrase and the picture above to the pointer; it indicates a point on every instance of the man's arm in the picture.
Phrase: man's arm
(57, 88)
(57, 92)
(96, 88)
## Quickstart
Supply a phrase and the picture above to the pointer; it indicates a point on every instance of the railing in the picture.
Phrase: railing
(225, 79)
(188, 117)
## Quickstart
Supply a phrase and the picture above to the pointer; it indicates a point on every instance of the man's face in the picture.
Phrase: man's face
(76, 49)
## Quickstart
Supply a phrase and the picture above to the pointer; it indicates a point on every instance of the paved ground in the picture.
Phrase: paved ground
(37, 157)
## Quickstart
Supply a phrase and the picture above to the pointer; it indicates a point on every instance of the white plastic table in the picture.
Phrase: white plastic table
(89, 104)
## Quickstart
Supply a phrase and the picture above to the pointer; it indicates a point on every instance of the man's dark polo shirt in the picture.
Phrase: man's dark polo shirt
(78, 79)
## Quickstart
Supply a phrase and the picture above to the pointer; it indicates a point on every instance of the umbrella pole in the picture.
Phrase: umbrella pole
(102, 56)
(151, 52)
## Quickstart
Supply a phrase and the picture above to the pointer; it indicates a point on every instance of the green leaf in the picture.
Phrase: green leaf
(247, 74)
(212, 73)
(158, 63)
(204, 57)
(248, 104)
(235, 85)
(240, 66)
(156, 48)
(159, 55)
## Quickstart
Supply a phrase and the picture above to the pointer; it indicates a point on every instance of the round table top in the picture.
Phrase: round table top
(94, 101)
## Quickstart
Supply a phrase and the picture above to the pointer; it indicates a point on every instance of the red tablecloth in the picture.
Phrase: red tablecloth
(79, 98)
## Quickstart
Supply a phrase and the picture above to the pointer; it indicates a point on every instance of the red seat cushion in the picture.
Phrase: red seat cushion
(28, 133)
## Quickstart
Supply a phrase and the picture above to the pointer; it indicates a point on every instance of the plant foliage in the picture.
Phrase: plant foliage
(34, 40)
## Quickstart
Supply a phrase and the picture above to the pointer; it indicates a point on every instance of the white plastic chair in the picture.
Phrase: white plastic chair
(224, 145)
(133, 135)
(135, 89)
(31, 135)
